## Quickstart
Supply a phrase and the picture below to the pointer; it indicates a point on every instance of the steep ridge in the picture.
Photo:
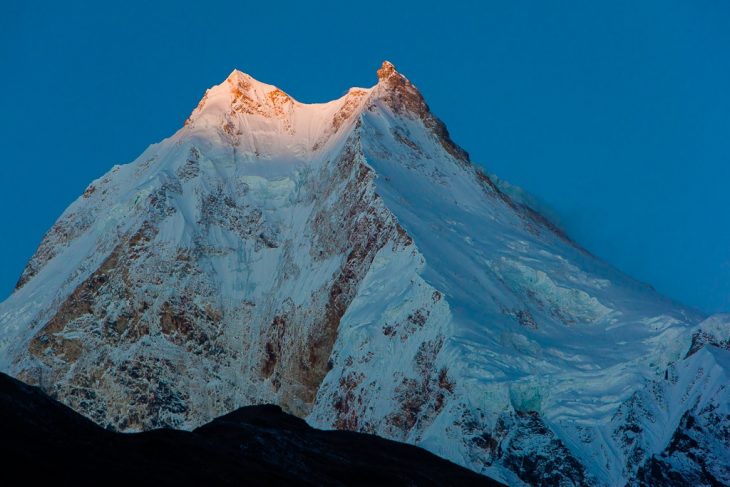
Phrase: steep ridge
(347, 261)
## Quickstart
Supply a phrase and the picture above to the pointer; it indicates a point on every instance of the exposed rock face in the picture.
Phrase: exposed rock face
(347, 261)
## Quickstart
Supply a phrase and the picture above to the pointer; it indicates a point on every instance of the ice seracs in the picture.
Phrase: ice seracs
(347, 261)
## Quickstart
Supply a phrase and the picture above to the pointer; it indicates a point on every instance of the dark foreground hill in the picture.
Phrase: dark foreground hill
(42, 440)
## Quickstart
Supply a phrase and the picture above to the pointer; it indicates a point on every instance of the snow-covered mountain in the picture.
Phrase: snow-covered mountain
(347, 261)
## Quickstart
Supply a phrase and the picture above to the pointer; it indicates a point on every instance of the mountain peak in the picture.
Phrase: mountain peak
(402, 96)
(390, 80)
(387, 69)
(242, 83)
(278, 252)
(241, 93)
(237, 74)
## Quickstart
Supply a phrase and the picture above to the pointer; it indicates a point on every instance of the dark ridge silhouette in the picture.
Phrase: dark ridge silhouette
(41, 440)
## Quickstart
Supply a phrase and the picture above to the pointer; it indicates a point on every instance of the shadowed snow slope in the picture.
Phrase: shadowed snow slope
(347, 261)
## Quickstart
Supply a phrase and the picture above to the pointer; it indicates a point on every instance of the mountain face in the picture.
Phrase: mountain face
(348, 262)
(44, 442)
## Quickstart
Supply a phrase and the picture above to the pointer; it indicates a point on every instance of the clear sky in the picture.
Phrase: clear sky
(615, 113)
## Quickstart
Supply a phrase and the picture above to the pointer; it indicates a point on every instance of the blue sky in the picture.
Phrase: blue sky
(615, 113)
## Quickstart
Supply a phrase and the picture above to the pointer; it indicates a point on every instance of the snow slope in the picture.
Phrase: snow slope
(347, 261)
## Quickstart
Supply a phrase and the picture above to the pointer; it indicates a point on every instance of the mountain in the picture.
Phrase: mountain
(42, 440)
(348, 262)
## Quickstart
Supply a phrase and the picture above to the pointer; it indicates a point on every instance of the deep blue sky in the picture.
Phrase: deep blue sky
(615, 113)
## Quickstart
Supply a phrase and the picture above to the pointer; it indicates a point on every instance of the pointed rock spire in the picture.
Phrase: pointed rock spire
(386, 71)
(396, 91)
